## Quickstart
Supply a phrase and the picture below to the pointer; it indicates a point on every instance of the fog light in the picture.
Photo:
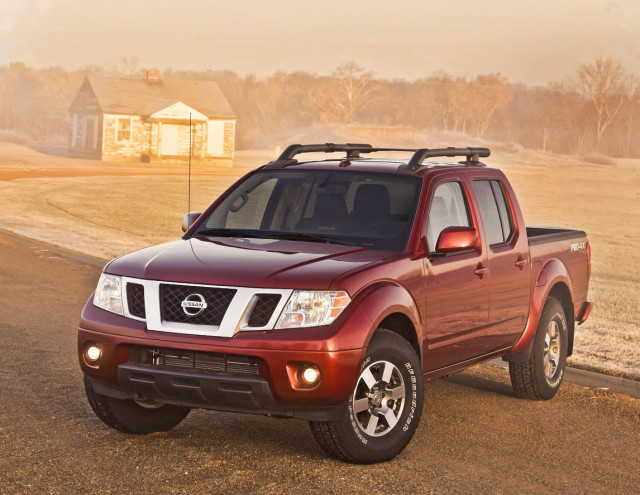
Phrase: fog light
(93, 353)
(310, 375)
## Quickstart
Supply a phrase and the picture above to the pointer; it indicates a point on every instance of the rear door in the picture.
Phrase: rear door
(509, 266)
(457, 289)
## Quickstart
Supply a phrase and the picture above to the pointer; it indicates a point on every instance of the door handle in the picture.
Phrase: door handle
(480, 270)
(520, 262)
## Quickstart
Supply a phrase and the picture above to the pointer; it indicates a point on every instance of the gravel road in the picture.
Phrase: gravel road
(474, 436)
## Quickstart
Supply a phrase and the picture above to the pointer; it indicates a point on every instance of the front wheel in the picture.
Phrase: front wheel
(540, 377)
(132, 416)
(384, 410)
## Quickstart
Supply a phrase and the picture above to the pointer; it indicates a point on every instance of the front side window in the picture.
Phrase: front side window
(374, 211)
(496, 213)
(123, 125)
(448, 209)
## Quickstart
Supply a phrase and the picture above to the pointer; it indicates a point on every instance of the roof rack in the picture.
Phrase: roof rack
(472, 155)
(352, 150)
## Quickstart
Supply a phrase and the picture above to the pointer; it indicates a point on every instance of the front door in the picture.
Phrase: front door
(457, 285)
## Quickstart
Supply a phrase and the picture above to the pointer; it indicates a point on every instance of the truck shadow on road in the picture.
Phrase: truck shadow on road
(481, 383)
(243, 433)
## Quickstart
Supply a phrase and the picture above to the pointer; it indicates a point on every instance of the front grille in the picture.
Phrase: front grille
(263, 310)
(204, 361)
(217, 300)
(135, 300)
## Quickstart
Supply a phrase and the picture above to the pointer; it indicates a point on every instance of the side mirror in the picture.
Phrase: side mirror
(455, 239)
(189, 220)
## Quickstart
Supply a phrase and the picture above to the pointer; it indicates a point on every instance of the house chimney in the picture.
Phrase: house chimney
(153, 76)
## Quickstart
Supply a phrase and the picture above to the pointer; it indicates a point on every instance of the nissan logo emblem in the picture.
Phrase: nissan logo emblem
(193, 305)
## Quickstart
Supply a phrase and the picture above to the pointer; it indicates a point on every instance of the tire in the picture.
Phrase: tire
(540, 377)
(390, 364)
(130, 416)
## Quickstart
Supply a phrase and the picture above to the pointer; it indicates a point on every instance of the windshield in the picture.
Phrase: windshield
(374, 211)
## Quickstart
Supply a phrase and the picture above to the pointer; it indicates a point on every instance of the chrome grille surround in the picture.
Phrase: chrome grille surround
(235, 319)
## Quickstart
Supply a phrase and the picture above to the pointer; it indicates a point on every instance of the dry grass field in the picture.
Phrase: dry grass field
(106, 209)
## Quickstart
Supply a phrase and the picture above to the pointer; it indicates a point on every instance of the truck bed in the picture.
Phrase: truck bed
(540, 235)
(570, 248)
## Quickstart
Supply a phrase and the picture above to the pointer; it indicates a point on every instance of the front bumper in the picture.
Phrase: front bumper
(273, 390)
(200, 390)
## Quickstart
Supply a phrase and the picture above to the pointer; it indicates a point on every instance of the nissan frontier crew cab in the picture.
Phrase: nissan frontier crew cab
(328, 290)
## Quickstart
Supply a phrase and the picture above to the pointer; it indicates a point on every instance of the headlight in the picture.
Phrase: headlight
(310, 308)
(109, 293)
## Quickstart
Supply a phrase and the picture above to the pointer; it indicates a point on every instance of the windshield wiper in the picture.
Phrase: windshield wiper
(234, 233)
(292, 236)
(300, 236)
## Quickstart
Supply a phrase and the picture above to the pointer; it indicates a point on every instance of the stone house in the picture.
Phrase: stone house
(115, 118)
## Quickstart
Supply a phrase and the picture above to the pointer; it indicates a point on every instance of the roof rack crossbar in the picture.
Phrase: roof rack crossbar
(472, 154)
(352, 150)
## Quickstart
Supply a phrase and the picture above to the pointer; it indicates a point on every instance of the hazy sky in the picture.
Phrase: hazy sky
(529, 41)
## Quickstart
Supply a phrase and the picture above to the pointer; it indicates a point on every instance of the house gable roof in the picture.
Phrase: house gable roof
(140, 97)
(177, 111)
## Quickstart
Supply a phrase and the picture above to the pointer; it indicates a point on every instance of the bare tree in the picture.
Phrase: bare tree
(436, 91)
(356, 88)
(459, 100)
(629, 116)
(489, 93)
(607, 85)
(128, 67)
(345, 94)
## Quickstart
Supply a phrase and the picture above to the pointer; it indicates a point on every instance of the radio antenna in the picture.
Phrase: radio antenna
(189, 193)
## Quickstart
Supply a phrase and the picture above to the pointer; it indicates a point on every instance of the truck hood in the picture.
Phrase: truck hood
(245, 262)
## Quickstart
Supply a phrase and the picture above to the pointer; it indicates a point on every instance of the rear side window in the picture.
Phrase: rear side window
(448, 209)
(495, 210)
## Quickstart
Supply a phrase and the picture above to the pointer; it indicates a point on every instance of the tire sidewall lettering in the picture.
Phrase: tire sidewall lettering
(414, 394)
(365, 363)
(354, 425)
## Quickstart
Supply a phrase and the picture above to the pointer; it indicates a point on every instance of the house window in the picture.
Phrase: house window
(123, 129)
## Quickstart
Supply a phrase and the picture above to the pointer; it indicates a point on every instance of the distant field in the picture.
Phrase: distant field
(107, 209)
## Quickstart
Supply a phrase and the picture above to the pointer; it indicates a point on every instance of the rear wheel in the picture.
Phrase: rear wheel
(540, 377)
(384, 410)
(132, 416)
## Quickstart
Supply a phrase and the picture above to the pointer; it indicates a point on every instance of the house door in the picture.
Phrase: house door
(215, 138)
(169, 140)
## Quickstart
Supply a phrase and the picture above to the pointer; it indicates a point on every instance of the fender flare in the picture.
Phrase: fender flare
(386, 298)
(553, 273)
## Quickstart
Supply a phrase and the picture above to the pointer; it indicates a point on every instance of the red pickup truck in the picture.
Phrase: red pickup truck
(328, 290)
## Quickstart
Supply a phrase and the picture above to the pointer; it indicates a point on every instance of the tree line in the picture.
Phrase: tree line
(594, 111)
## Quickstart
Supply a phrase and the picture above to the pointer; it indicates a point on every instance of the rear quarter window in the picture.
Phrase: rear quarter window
(495, 210)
